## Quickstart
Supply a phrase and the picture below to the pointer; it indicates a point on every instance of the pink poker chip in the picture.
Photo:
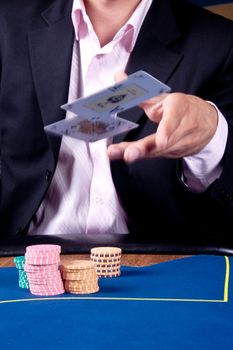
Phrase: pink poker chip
(43, 261)
(42, 275)
(53, 255)
(42, 289)
(48, 292)
(44, 248)
(41, 269)
(46, 287)
(49, 283)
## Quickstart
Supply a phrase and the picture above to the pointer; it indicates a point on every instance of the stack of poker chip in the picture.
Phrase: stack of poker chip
(42, 267)
(19, 263)
(80, 277)
(107, 261)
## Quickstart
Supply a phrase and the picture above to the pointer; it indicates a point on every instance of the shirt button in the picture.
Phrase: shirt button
(99, 200)
(98, 154)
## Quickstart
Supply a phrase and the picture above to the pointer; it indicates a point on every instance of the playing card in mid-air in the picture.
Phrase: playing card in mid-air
(92, 129)
(95, 116)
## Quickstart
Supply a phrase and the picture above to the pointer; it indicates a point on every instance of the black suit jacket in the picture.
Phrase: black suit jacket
(184, 46)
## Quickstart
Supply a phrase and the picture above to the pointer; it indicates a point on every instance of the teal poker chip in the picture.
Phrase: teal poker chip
(22, 274)
(19, 266)
(24, 285)
(19, 262)
(19, 259)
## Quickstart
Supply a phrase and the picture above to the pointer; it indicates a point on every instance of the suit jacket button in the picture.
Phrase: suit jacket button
(226, 198)
(47, 175)
(18, 231)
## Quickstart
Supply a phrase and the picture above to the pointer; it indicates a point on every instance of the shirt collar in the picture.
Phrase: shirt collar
(127, 34)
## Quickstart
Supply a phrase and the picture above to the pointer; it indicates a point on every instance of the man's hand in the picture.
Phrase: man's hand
(186, 124)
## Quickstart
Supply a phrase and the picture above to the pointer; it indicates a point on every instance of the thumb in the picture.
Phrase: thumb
(119, 76)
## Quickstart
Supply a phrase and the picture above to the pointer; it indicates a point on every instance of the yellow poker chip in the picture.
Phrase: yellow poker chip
(106, 252)
(86, 280)
(77, 265)
(81, 282)
(110, 268)
(106, 266)
(109, 275)
(84, 292)
(108, 272)
(105, 260)
(77, 276)
(80, 272)
(79, 286)
(106, 256)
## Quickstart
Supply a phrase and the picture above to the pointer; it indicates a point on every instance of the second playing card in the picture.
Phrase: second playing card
(91, 129)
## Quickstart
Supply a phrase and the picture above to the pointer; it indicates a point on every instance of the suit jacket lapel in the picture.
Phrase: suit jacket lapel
(50, 50)
(152, 52)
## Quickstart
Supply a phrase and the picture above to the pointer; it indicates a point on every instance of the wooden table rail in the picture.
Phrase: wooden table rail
(127, 259)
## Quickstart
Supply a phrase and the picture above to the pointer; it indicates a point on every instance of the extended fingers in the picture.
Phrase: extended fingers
(131, 151)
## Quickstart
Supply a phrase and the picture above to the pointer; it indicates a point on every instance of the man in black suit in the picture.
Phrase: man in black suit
(176, 178)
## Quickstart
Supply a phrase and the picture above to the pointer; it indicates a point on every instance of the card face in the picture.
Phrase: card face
(138, 87)
(91, 129)
(95, 116)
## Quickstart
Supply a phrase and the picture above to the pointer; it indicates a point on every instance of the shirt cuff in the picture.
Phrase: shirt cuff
(201, 169)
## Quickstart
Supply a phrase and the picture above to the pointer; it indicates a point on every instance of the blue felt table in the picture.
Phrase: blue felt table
(181, 304)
